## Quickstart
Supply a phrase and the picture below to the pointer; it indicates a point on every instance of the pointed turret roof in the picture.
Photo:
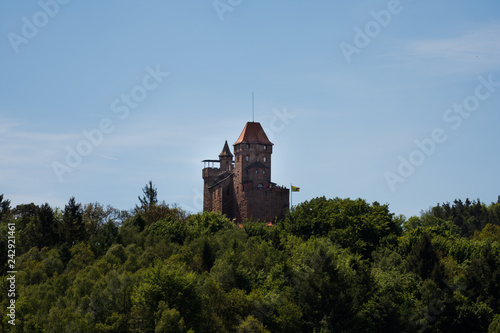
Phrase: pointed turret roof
(226, 151)
(253, 133)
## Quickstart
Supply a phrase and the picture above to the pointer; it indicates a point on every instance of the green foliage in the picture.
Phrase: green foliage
(208, 223)
(250, 325)
(333, 265)
(156, 212)
(105, 236)
(171, 285)
(330, 284)
(424, 261)
(4, 208)
(256, 229)
(483, 277)
(170, 320)
(139, 222)
(467, 216)
(495, 325)
(490, 232)
(468, 316)
(170, 230)
(353, 224)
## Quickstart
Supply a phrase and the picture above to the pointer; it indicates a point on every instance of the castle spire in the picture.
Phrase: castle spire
(226, 158)
(226, 152)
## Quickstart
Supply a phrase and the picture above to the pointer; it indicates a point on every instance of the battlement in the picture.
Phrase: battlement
(210, 172)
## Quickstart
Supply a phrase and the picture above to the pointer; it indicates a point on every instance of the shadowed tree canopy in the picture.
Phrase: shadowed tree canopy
(424, 260)
(4, 207)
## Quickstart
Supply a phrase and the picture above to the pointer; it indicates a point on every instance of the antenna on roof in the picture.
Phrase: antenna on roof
(253, 110)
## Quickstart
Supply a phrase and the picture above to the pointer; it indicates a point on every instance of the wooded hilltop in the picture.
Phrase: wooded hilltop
(332, 265)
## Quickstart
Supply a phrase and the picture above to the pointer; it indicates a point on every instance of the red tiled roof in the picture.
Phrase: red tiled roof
(253, 133)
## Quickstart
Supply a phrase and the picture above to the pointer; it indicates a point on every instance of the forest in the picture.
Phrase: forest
(332, 265)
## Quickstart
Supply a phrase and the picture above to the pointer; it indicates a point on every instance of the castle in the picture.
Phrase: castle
(242, 189)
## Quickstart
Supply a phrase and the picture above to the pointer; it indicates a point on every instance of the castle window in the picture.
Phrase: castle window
(256, 171)
(260, 186)
(264, 171)
(265, 147)
(265, 159)
(248, 146)
(247, 158)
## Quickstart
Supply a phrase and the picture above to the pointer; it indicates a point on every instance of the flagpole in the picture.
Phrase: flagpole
(253, 110)
(291, 195)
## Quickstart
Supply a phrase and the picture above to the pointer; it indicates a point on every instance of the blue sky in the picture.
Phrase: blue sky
(391, 101)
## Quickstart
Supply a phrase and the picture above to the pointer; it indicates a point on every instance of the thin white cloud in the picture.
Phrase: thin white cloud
(146, 138)
(5, 126)
(147, 132)
(40, 136)
(19, 147)
(473, 52)
(13, 132)
(482, 45)
(109, 157)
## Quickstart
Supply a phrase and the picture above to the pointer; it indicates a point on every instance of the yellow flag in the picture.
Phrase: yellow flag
(295, 189)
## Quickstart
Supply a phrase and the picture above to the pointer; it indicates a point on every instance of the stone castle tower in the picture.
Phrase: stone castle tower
(242, 188)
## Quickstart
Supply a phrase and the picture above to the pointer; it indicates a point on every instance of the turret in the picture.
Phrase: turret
(226, 158)
(253, 158)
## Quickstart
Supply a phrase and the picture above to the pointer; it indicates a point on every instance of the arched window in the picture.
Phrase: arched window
(265, 147)
(265, 159)
(256, 171)
(264, 171)
(247, 158)
(260, 186)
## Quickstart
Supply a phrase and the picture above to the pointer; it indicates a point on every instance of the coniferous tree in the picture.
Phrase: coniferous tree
(150, 197)
(5, 207)
(46, 226)
(72, 228)
(424, 261)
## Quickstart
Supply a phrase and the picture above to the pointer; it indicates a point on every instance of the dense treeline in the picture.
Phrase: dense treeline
(333, 265)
